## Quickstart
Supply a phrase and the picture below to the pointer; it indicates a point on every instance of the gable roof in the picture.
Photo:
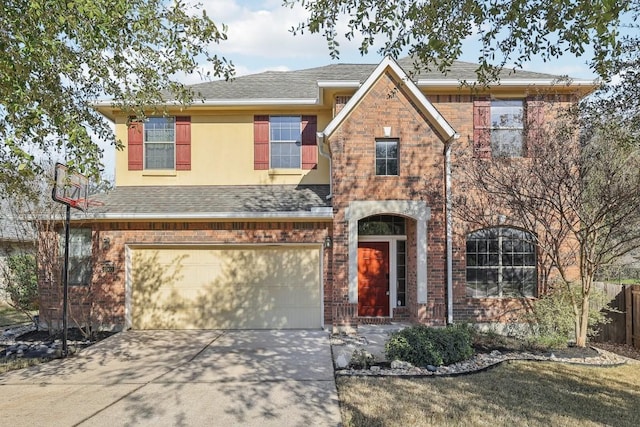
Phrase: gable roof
(443, 128)
(303, 84)
(305, 87)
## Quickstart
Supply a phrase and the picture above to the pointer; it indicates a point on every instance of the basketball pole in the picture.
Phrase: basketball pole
(65, 283)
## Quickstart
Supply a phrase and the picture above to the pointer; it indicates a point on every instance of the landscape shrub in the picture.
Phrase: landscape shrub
(422, 345)
(21, 285)
(552, 319)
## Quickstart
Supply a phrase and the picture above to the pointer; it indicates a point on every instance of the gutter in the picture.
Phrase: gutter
(317, 213)
(507, 82)
(449, 225)
(320, 139)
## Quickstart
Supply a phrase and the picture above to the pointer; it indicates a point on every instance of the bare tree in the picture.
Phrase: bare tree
(577, 192)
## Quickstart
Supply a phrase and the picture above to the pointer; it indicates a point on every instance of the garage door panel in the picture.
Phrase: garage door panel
(254, 288)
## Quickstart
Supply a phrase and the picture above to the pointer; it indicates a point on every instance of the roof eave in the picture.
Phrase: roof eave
(314, 214)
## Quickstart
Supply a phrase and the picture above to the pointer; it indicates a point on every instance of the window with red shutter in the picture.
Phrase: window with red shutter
(498, 128)
(284, 142)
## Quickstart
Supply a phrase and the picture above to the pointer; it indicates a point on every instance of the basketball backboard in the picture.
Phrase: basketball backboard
(71, 188)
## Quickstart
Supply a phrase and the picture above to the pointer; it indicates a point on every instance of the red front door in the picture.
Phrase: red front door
(373, 279)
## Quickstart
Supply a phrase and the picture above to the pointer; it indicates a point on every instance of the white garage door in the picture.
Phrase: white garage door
(257, 287)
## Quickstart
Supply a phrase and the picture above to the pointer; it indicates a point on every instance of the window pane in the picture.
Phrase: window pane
(501, 267)
(386, 157)
(159, 129)
(507, 128)
(507, 113)
(392, 167)
(286, 140)
(159, 156)
(506, 142)
(80, 250)
(382, 225)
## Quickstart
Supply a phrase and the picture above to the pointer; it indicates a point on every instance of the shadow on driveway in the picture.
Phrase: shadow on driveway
(262, 378)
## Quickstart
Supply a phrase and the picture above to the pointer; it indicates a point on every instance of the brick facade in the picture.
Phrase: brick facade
(102, 302)
(420, 177)
(388, 109)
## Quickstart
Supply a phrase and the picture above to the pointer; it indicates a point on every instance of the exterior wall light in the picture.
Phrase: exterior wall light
(106, 244)
(328, 242)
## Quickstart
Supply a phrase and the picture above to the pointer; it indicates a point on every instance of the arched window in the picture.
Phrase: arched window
(382, 225)
(501, 262)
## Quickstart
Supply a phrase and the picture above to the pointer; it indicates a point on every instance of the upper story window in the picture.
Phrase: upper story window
(79, 255)
(499, 128)
(501, 262)
(507, 128)
(386, 157)
(159, 143)
(286, 140)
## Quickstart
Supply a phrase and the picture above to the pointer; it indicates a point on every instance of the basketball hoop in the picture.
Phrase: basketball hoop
(70, 189)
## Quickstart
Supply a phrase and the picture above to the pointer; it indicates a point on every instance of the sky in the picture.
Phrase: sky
(259, 39)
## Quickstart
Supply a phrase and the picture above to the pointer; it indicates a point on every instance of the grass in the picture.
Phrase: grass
(11, 365)
(514, 393)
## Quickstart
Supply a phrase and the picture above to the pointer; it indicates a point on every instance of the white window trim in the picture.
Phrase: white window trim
(375, 157)
(145, 142)
(281, 170)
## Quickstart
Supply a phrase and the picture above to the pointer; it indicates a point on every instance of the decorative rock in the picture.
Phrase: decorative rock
(341, 362)
(375, 369)
(401, 364)
(431, 368)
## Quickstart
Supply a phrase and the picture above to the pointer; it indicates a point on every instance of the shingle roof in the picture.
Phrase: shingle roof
(303, 84)
(155, 201)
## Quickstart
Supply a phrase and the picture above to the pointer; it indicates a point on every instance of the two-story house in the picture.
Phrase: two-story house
(308, 199)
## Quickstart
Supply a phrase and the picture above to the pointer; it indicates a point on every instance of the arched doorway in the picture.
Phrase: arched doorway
(382, 265)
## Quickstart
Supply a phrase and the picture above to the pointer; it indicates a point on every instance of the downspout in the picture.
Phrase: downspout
(320, 140)
(449, 225)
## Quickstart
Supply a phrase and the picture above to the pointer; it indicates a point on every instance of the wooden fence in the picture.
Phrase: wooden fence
(624, 327)
(632, 299)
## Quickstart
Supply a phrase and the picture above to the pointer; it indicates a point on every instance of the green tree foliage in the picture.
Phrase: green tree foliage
(509, 31)
(552, 320)
(21, 282)
(57, 57)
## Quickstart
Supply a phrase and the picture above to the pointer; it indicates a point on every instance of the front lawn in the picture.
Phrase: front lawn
(514, 393)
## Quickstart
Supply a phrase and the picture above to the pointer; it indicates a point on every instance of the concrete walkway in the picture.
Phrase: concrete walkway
(190, 378)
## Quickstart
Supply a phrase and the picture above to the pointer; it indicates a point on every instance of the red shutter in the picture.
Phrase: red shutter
(135, 145)
(309, 144)
(482, 128)
(535, 120)
(260, 142)
(183, 143)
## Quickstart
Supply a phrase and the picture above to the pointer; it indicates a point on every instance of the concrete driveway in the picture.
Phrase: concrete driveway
(181, 378)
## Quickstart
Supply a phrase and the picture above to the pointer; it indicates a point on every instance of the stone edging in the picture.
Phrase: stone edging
(483, 362)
